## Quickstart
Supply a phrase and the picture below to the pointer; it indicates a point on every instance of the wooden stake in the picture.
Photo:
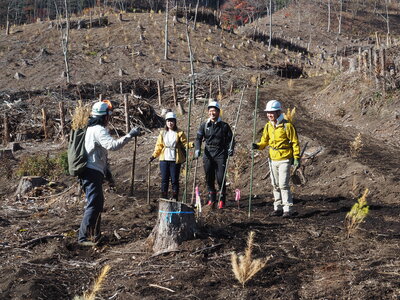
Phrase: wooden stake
(210, 92)
(159, 92)
(174, 93)
(133, 168)
(126, 113)
(62, 119)
(120, 88)
(219, 88)
(6, 131)
(44, 123)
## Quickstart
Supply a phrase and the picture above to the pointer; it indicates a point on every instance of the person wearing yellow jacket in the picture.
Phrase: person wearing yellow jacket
(171, 150)
(284, 150)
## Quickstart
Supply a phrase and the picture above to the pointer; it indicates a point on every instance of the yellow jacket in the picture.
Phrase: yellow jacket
(283, 142)
(181, 144)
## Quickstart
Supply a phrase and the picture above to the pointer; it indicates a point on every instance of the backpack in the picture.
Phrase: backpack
(77, 156)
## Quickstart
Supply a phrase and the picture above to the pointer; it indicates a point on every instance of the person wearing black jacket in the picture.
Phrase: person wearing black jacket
(217, 136)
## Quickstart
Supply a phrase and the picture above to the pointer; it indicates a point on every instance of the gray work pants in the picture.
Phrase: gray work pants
(280, 175)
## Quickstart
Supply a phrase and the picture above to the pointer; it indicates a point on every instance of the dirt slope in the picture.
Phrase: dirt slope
(311, 256)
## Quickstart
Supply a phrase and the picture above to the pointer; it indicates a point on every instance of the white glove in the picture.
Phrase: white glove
(134, 132)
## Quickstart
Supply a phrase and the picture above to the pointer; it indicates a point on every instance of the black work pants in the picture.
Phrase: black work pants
(169, 170)
(214, 168)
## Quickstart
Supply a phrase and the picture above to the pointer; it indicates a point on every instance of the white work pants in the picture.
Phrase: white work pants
(280, 175)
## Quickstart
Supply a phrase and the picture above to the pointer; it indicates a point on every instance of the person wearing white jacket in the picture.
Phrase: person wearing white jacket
(97, 143)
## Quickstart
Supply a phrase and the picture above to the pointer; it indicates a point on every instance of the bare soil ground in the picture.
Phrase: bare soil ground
(311, 256)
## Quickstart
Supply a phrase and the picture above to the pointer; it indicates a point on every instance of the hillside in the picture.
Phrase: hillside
(311, 256)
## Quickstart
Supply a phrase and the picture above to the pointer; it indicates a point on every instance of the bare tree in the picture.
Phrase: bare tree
(329, 16)
(64, 31)
(340, 16)
(270, 26)
(166, 31)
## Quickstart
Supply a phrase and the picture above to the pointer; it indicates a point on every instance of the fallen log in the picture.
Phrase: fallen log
(41, 240)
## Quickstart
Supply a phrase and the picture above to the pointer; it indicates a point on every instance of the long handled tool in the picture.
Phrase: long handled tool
(252, 151)
(230, 146)
(133, 168)
(148, 182)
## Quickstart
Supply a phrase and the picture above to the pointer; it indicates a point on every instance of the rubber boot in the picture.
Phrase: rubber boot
(212, 198)
(221, 203)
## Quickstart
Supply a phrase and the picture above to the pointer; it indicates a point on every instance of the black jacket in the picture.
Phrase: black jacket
(217, 137)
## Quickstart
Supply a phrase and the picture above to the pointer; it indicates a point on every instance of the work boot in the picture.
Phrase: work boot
(164, 195)
(175, 196)
(221, 202)
(276, 213)
(288, 215)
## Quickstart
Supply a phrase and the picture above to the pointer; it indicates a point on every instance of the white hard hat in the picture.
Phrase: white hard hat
(101, 109)
(170, 115)
(273, 105)
(213, 104)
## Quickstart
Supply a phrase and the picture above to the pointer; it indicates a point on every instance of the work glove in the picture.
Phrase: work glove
(296, 163)
(230, 152)
(134, 132)
(254, 146)
(151, 159)
(197, 153)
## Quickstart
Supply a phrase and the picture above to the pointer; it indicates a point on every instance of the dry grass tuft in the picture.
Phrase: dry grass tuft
(356, 146)
(357, 214)
(96, 286)
(245, 267)
(81, 116)
(289, 115)
(239, 164)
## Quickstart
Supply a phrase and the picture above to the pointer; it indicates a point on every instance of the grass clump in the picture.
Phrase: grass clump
(289, 115)
(357, 214)
(96, 286)
(43, 166)
(245, 267)
(356, 146)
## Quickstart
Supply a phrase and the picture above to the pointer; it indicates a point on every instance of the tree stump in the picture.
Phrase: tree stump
(27, 183)
(176, 223)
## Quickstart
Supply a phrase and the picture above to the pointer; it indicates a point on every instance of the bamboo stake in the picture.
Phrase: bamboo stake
(62, 119)
(126, 113)
(148, 182)
(133, 168)
(197, 160)
(188, 136)
(230, 146)
(254, 139)
(44, 123)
